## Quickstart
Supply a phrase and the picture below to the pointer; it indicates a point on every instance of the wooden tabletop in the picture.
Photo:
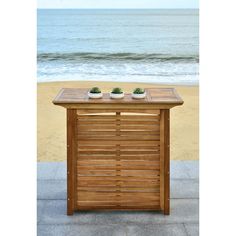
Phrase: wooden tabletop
(154, 95)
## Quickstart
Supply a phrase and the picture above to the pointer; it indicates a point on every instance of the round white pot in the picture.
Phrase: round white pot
(95, 95)
(116, 95)
(138, 96)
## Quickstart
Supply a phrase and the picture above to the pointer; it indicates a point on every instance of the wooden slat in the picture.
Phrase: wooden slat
(117, 138)
(127, 173)
(85, 196)
(95, 147)
(118, 167)
(117, 203)
(143, 189)
(115, 162)
(122, 115)
(122, 122)
(153, 207)
(121, 133)
(130, 156)
(121, 142)
(119, 178)
(112, 110)
(109, 152)
(91, 152)
(126, 148)
(122, 128)
(144, 117)
(96, 173)
(110, 183)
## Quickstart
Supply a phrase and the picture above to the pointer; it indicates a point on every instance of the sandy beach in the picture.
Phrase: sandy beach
(52, 119)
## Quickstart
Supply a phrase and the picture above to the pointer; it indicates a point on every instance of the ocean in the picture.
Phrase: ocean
(156, 46)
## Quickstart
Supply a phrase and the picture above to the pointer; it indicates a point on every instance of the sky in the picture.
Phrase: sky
(118, 4)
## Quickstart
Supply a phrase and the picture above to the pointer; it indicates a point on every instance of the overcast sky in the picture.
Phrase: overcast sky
(117, 3)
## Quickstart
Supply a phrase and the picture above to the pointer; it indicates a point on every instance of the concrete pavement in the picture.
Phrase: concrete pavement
(52, 218)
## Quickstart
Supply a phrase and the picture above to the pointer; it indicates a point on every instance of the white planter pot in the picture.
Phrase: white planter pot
(95, 95)
(117, 96)
(139, 96)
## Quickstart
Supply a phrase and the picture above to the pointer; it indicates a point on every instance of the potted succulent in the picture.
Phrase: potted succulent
(138, 93)
(117, 93)
(95, 92)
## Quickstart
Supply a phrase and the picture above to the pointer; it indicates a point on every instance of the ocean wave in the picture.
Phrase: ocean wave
(88, 56)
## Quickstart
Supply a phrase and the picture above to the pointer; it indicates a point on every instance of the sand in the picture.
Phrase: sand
(52, 120)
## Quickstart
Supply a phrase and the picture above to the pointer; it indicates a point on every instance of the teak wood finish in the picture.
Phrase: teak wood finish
(118, 153)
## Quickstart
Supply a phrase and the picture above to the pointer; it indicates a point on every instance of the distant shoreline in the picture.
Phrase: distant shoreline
(118, 9)
(125, 82)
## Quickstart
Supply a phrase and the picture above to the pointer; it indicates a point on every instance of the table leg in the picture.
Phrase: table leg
(71, 160)
(165, 160)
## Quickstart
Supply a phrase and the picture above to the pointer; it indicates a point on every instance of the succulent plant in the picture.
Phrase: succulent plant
(95, 90)
(117, 91)
(139, 91)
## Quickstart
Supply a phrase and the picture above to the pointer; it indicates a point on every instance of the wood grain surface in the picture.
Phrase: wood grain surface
(154, 95)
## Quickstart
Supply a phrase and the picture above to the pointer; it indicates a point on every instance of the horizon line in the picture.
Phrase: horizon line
(67, 8)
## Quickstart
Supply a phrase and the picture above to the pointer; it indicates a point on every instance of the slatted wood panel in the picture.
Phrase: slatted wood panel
(118, 161)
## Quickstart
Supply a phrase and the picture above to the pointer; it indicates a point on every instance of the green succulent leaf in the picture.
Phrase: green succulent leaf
(117, 90)
(139, 91)
(95, 90)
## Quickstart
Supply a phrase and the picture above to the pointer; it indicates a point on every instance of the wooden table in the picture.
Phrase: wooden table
(118, 153)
